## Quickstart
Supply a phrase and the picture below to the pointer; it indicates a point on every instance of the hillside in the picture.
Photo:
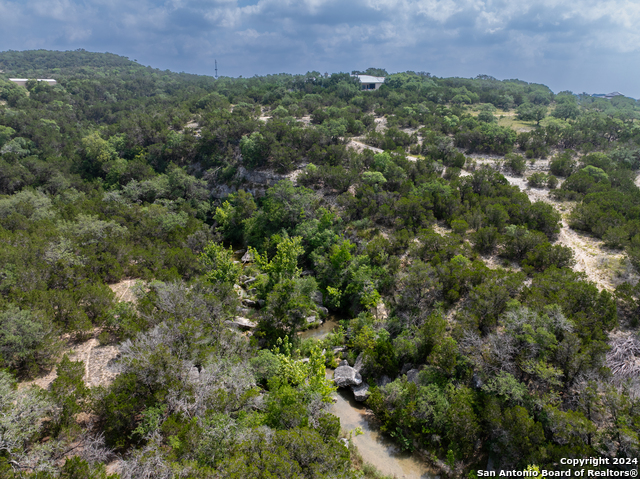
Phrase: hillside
(167, 242)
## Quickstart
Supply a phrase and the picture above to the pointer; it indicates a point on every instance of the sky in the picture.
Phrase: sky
(588, 46)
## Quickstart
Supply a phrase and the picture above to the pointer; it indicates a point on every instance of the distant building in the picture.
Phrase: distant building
(607, 96)
(369, 82)
(23, 81)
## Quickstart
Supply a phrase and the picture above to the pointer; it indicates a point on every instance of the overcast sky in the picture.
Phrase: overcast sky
(579, 45)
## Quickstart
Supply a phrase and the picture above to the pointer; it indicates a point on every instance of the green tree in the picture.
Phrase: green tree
(219, 264)
(68, 389)
(28, 342)
(255, 150)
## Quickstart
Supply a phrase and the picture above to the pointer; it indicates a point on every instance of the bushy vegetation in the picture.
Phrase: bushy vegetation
(238, 205)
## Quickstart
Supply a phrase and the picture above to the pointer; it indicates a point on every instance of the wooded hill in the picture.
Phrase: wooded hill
(436, 263)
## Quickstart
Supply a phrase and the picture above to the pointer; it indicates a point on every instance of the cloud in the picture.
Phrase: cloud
(586, 44)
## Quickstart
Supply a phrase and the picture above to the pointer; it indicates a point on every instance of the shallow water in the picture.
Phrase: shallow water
(372, 445)
(320, 332)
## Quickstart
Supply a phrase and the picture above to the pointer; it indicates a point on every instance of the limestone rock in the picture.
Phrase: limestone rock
(222, 191)
(239, 291)
(381, 311)
(311, 319)
(241, 322)
(359, 362)
(316, 297)
(360, 393)
(345, 376)
(194, 374)
(247, 257)
(383, 381)
(406, 367)
(412, 375)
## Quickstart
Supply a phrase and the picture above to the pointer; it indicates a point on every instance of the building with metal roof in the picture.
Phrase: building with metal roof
(369, 82)
(23, 81)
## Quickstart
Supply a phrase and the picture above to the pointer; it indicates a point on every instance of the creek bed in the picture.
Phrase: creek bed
(321, 331)
(373, 446)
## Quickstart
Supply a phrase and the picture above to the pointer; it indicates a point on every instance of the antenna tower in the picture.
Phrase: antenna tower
(216, 69)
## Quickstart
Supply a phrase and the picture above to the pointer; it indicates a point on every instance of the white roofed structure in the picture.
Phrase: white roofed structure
(369, 82)
(23, 81)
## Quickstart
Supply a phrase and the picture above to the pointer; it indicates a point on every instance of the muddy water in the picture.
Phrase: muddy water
(320, 332)
(372, 445)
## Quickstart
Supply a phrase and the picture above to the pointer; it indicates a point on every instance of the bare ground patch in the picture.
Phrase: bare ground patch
(360, 146)
(98, 361)
(125, 290)
(600, 264)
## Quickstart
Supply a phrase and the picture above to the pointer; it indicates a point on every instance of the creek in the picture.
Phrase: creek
(321, 331)
(373, 446)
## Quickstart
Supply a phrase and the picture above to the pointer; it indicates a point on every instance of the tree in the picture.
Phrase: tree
(21, 422)
(284, 265)
(28, 342)
(254, 149)
(531, 112)
(219, 264)
(68, 389)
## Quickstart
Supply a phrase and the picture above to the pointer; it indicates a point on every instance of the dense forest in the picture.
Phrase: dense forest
(243, 211)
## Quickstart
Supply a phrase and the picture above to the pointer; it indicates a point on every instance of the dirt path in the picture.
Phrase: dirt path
(592, 257)
(124, 290)
(98, 363)
(600, 264)
(98, 360)
(359, 146)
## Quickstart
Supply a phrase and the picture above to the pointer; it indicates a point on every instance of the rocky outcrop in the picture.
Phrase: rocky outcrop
(316, 297)
(345, 376)
(264, 177)
(222, 191)
(380, 311)
(239, 291)
(383, 381)
(359, 362)
(241, 322)
(360, 393)
(412, 375)
(406, 367)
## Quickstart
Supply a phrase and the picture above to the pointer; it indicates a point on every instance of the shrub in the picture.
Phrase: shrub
(537, 180)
